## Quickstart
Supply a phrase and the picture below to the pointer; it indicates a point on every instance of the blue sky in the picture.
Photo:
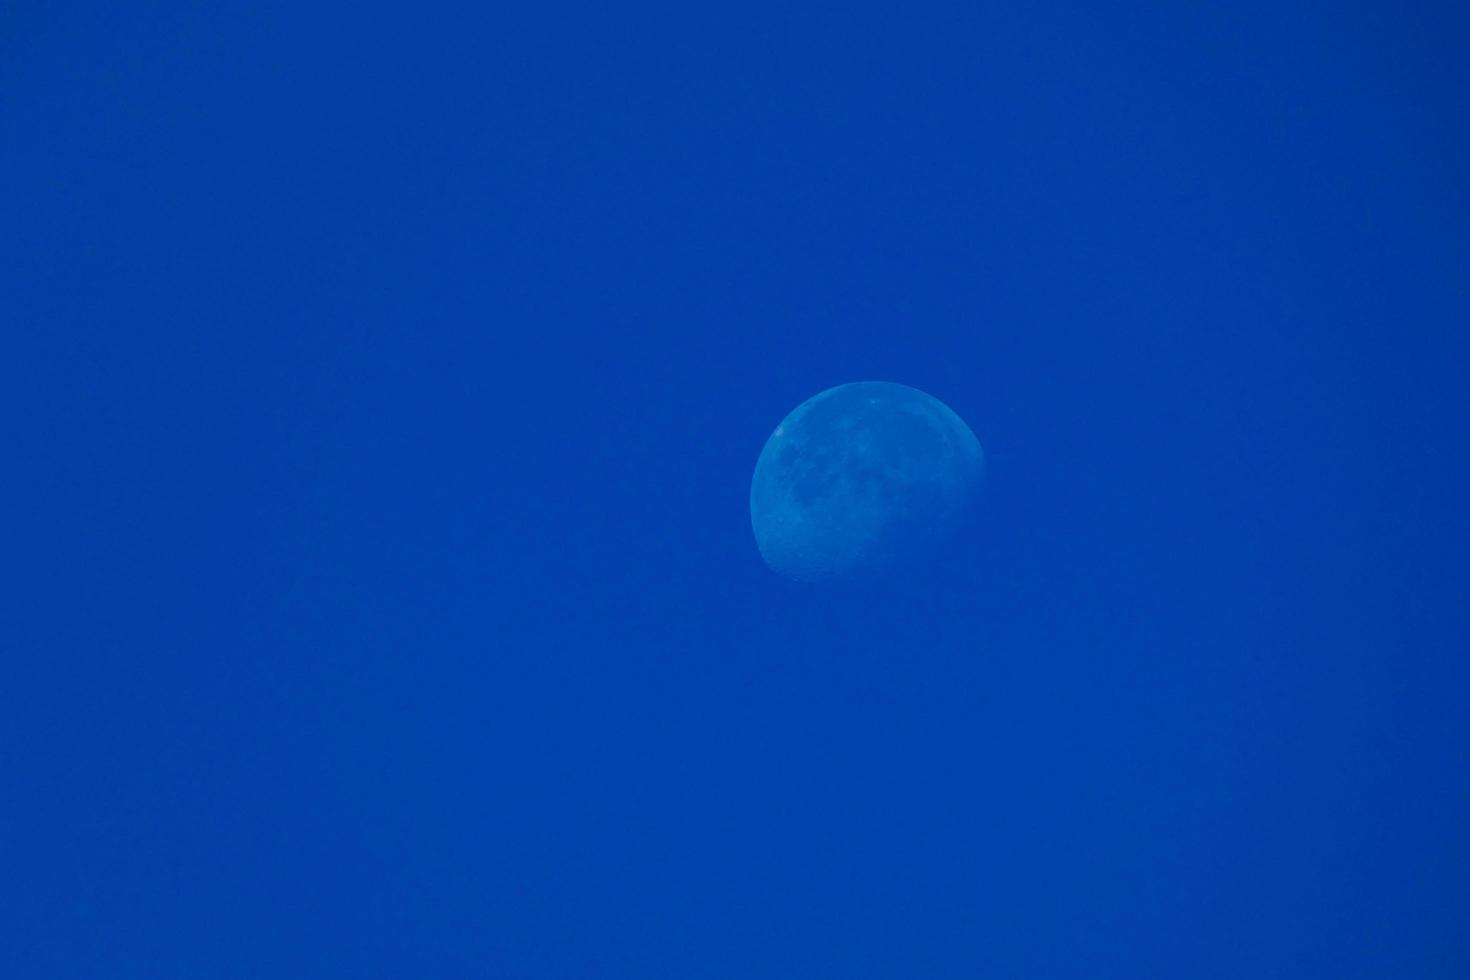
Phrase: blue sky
(382, 392)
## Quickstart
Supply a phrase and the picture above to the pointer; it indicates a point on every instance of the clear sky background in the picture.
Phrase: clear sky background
(381, 389)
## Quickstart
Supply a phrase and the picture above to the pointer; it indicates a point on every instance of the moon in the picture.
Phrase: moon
(860, 481)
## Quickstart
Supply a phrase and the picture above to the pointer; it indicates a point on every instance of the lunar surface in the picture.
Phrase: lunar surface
(862, 480)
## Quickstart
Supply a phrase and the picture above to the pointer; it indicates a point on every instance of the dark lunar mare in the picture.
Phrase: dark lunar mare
(861, 479)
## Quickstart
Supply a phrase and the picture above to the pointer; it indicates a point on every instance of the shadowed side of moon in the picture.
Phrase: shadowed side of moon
(861, 480)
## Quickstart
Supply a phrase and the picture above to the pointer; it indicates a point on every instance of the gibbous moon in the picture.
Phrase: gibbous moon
(861, 480)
